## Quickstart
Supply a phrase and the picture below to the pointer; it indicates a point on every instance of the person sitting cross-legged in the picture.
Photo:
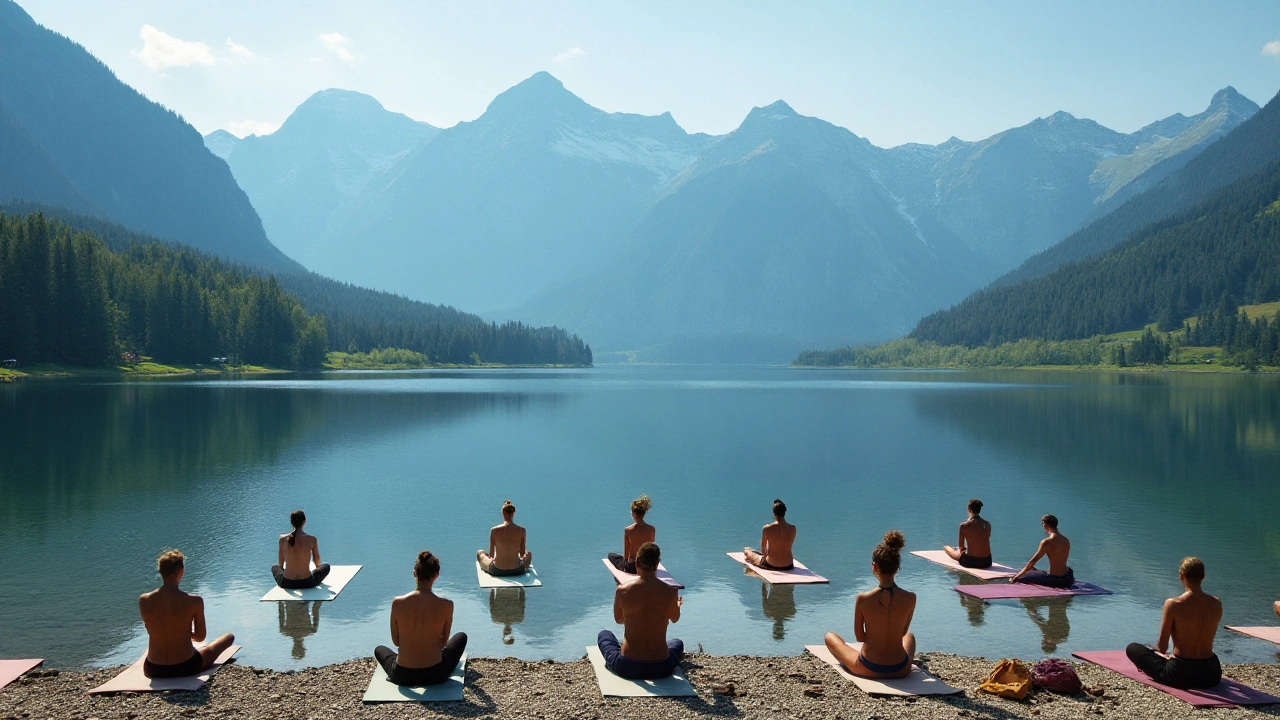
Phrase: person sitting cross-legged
(506, 554)
(1191, 621)
(420, 625)
(643, 607)
(173, 619)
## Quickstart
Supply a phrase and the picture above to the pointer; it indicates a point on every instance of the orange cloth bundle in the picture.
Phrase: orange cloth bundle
(1010, 679)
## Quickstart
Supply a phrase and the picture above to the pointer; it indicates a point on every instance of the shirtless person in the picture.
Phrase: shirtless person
(643, 607)
(506, 554)
(636, 534)
(1191, 619)
(1057, 547)
(297, 551)
(974, 548)
(420, 625)
(775, 542)
(881, 620)
(173, 620)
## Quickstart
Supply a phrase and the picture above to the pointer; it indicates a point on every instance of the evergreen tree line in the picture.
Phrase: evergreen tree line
(66, 298)
(1246, 342)
(1228, 245)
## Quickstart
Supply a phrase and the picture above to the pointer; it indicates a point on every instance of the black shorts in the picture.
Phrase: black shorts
(191, 666)
(972, 561)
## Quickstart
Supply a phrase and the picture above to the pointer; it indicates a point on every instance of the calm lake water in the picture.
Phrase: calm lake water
(97, 478)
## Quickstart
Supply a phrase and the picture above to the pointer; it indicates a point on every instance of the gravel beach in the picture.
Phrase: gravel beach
(748, 687)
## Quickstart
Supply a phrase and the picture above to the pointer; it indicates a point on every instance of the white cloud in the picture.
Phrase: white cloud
(161, 50)
(239, 51)
(339, 45)
(570, 56)
(1272, 48)
(245, 128)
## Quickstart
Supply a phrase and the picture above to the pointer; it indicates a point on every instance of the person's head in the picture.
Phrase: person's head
(885, 557)
(779, 509)
(297, 519)
(508, 510)
(427, 567)
(647, 557)
(171, 565)
(640, 506)
(975, 506)
(1191, 570)
(1050, 522)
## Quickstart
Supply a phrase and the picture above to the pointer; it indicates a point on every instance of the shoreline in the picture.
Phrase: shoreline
(1137, 370)
(57, 373)
(800, 687)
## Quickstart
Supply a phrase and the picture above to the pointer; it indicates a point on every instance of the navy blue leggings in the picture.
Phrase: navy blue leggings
(623, 666)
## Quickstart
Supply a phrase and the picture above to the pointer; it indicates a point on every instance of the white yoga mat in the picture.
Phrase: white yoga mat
(1266, 632)
(918, 682)
(674, 685)
(798, 575)
(528, 579)
(132, 679)
(382, 690)
(339, 576)
(621, 577)
(995, 572)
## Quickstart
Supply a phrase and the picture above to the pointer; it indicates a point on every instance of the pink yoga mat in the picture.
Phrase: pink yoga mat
(622, 577)
(1271, 634)
(995, 572)
(1227, 694)
(798, 575)
(1003, 590)
(11, 670)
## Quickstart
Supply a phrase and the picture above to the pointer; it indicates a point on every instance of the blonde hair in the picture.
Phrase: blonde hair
(1192, 568)
(169, 563)
(640, 505)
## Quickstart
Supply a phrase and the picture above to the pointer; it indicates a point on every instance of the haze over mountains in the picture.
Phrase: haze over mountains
(789, 232)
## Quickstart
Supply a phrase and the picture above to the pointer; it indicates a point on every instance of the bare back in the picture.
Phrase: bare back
(776, 540)
(506, 545)
(635, 535)
(975, 537)
(297, 558)
(881, 618)
(1191, 621)
(644, 606)
(173, 619)
(420, 625)
(1057, 548)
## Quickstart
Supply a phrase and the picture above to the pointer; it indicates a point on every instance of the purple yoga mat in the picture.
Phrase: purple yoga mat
(1000, 590)
(1228, 693)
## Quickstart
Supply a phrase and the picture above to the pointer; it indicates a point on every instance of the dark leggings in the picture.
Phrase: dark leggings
(1175, 671)
(191, 666)
(623, 564)
(1035, 577)
(321, 572)
(623, 666)
(417, 677)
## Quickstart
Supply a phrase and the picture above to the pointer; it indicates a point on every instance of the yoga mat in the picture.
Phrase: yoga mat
(1005, 590)
(1226, 694)
(674, 685)
(995, 572)
(11, 670)
(382, 690)
(528, 579)
(622, 577)
(918, 682)
(799, 575)
(339, 576)
(132, 679)
(1271, 634)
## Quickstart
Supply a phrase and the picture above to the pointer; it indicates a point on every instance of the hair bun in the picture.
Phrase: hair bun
(424, 556)
(894, 540)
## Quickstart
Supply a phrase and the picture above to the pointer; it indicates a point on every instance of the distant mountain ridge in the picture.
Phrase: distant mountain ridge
(73, 135)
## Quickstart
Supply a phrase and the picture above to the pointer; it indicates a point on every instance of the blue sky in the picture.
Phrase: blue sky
(892, 72)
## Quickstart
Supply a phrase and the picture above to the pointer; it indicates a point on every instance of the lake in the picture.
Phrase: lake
(98, 477)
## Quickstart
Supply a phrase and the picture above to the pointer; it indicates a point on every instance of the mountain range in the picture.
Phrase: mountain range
(789, 232)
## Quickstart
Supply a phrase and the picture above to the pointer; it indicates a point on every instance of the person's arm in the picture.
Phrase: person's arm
(198, 630)
(1166, 628)
(493, 543)
(315, 551)
(859, 622)
(960, 542)
(626, 545)
(675, 611)
(906, 627)
(446, 631)
(395, 629)
(764, 541)
(1031, 564)
(618, 616)
(522, 539)
(280, 556)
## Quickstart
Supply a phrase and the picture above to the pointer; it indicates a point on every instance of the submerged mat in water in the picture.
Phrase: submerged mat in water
(674, 685)
(995, 572)
(1226, 694)
(798, 575)
(1005, 590)
(622, 577)
(11, 670)
(1271, 634)
(132, 679)
(382, 690)
(339, 576)
(528, 579)
(918, 682)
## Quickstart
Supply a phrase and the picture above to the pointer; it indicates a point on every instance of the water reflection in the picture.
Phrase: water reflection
(1054, 626)
(975, 608)
(298, 620)
(779, 603)
(506, 608)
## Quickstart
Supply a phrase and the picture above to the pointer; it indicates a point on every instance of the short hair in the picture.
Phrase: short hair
(508, 508)
(648, 556)
(170, 563)
(779, 509)
(640, 505)
(1192, 568)
(975, 506)
(1050, 520)
(427, 567)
